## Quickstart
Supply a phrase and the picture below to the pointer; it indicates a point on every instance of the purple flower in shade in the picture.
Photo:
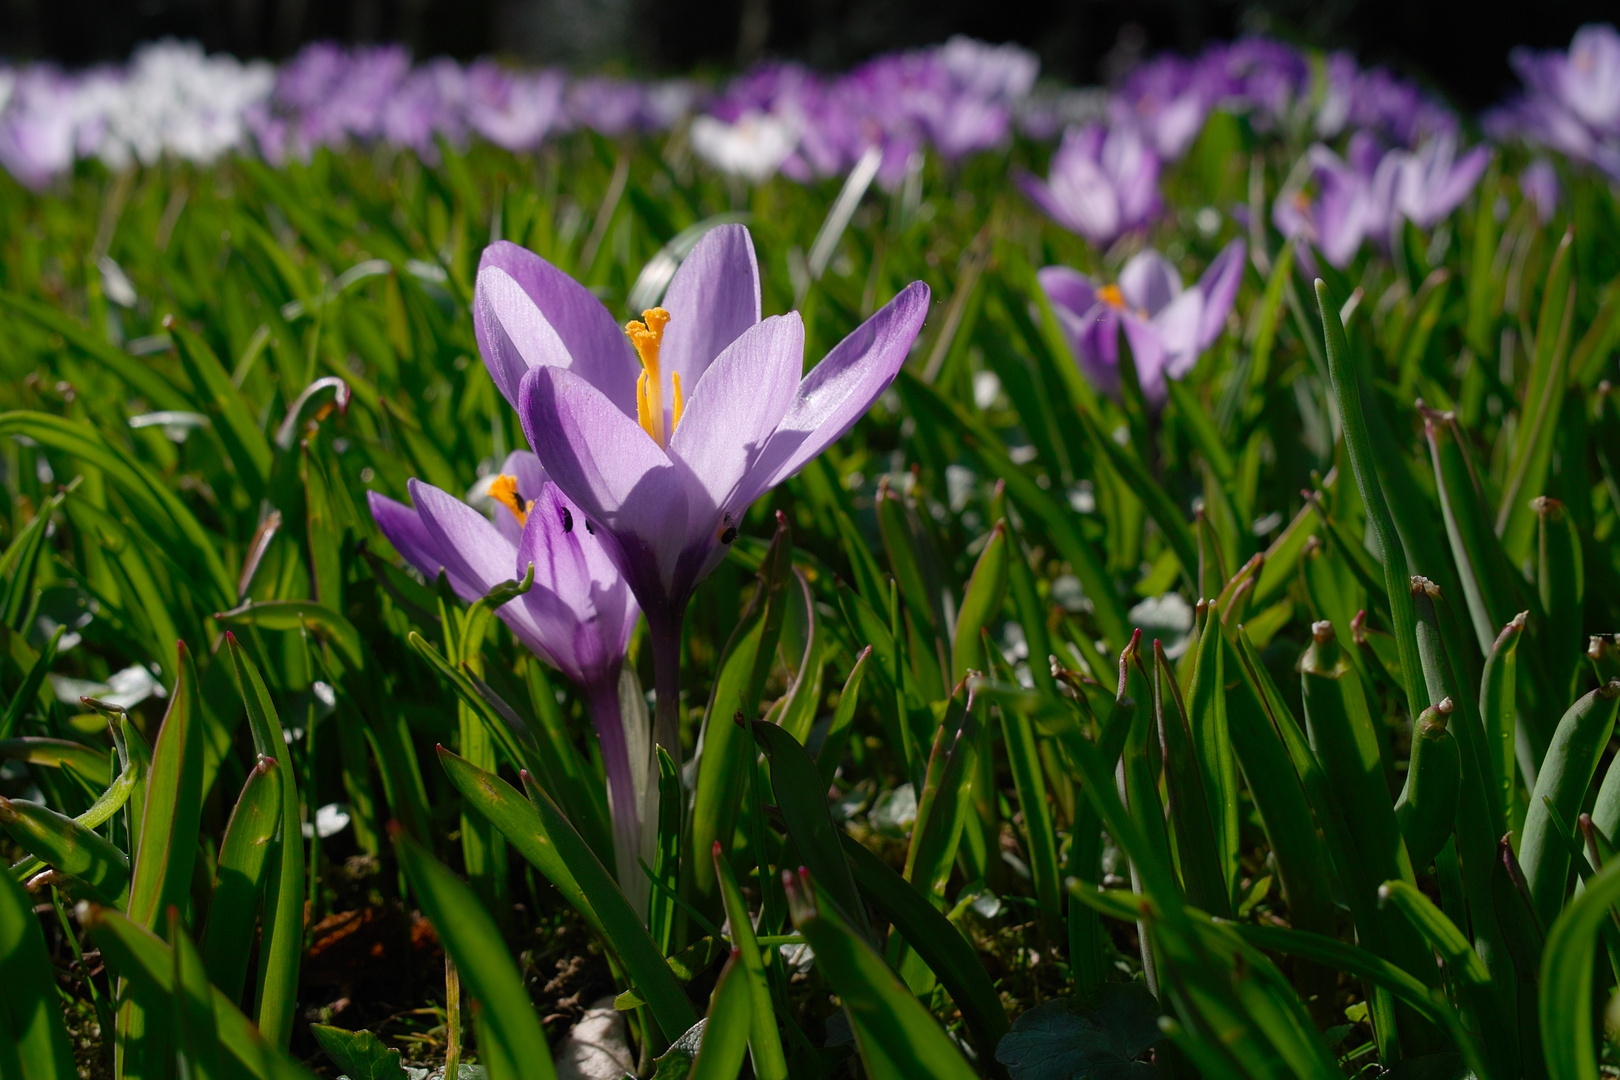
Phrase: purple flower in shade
(513, 110)
(607, 106)
(577, 616)
(663, 446)
(1335, 203)
(1539, 183)
(1571, 101)
(1167, 326)
(1433, 180)
(1168, 100)
(426, 106)
(1102, 183)
(1375, 101)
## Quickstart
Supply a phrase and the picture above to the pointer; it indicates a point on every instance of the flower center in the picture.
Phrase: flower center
(1110, 295)
(647, 334)
(505, 491)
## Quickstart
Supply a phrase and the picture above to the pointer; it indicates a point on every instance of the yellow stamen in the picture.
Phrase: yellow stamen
(1110, 295)
(505, 491)
(645, 335)
(680, 402)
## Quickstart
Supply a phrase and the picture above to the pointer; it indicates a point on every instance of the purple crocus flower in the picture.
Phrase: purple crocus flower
(1434, 180)
(1571, 101)
(1103, 182)
(1335, 203)
(577, 616)
(1539, 183)
(1168, 326)
(513, 110)
(664, 445)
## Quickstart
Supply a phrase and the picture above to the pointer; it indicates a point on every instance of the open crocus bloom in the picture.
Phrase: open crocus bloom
(1103, 182)
(578, 614)
(1167, 326)
(665, 443)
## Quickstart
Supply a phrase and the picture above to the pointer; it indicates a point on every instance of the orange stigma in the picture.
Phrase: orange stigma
(504, 490)
(1110, 295)
(646, 335)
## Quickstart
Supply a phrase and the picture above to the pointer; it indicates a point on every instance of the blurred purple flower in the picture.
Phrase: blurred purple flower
(515, 110)
(1432, 181)
(1103, 182)
(665, 445)
(37, 125)
(1570, 102)
(1334, 204)
(1539, 183)
(1168, 326)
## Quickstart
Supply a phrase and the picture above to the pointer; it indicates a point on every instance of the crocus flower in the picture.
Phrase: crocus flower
(753, 147)
(1103, 182)
(663, 446)
(1571, 100)
(1168, 326)
(514, 110)
(577, 616)
(1335, 203)
(1434, 180)
(1539, 183)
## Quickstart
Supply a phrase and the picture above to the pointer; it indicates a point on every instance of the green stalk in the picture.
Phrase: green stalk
(1353, 422)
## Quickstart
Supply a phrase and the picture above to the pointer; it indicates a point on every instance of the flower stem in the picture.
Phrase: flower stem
(666, 647)
(623, 806)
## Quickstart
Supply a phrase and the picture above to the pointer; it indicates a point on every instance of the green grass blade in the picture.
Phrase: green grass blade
(1566, 979)
(282, 945)
(1347, 393)
(726, 1035)
(33, 1040)
(981, 605)
(196, 1033)
(802, 799)
(473, 942)
(240, 877)
(643, 963)
(884, 1011)
(935, 939)
(66, 845)
(764, 1041)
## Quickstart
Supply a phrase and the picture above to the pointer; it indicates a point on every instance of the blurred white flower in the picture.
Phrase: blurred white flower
(753, 147)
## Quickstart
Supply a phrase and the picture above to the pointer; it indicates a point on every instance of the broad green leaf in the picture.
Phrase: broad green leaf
(1566, 978)
(66, 845)
(360, 1054)
(293, 615)
(1099, 1038)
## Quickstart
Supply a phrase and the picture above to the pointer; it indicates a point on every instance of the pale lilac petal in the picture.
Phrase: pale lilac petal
(608, 466)
(1149, 282)
(1178, 327)
(1147, 354)
(1219, 285)
(735, 408)
(513, 334)
(595, 343)
(406, 532)
(841, 388)
(475, 554)
(713, 298)
(1067, 289)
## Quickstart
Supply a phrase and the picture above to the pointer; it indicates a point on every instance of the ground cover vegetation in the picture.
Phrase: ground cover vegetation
(1198, 660)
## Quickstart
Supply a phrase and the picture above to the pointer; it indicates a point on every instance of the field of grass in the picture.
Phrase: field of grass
(1253, 722)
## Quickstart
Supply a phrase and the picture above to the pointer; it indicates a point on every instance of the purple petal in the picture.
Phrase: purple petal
(841, 388)
(1219, 286)
(1147, 353)
(1149, 282)
(605, 463)
(1177, 327)
(736, 407)
(1067, 289)
(406, 532)
(713, 298)
(595, 344)
(476, 556)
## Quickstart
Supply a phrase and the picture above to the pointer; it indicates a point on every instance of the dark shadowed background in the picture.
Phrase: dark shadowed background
(1459, 46)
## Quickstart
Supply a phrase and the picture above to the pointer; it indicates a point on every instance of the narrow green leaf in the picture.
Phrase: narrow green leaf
(487, 972)
(1566, 978)
(33, 1039)
(63, 843)
(764, 1041)
(882, 1009)
(1427, 807)
(292, 615)
(643, 963)
(196, 1032)
(981, 604)
(726, 1033)
(240, 877)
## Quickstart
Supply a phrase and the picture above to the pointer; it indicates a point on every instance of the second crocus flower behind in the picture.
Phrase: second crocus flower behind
(1167, 326)
(577, 616)
(665, 432)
